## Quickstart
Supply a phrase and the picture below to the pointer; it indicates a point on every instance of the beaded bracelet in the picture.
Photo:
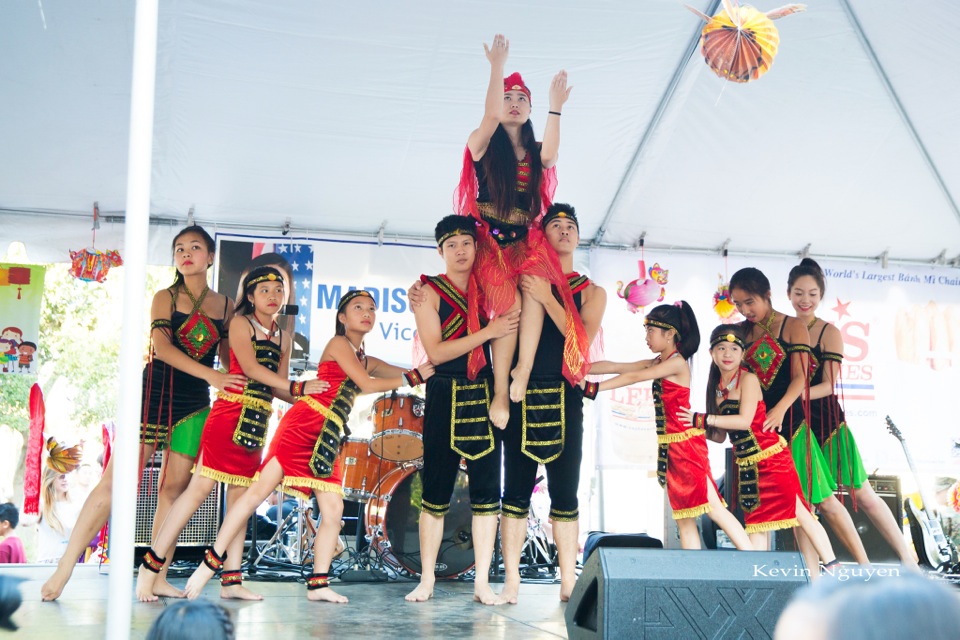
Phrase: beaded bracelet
(412, 377)
(296, 388)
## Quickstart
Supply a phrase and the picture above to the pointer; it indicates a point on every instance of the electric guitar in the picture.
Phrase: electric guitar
(933, 548)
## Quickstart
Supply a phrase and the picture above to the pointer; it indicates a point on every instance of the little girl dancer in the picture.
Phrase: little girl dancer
(303, 454)
(682, 464)
(236, 429)
(768, 486)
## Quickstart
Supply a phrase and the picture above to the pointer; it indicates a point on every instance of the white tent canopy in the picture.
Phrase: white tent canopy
(345, 117)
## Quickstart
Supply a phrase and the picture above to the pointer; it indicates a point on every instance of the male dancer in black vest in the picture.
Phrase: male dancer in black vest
(456, 415)
(547, 426)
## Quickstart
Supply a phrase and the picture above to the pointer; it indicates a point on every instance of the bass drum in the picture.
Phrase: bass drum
(393, 516)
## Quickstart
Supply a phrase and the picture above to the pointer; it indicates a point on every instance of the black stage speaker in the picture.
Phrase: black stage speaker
(200, 531)
(665, 593)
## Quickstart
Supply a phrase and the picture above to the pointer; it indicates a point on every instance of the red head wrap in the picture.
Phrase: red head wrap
(514, 82)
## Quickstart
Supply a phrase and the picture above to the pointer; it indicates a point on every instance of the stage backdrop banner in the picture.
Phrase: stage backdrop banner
(21, 293)
(322, 270)
(901, 332)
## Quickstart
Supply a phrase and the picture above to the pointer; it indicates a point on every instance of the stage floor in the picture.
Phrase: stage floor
(376, 610)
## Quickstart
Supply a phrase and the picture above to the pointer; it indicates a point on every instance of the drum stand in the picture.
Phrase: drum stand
(291, 546)
(540, 555)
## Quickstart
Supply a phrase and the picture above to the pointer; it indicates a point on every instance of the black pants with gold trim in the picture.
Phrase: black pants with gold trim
(563, 473)
(441, 463)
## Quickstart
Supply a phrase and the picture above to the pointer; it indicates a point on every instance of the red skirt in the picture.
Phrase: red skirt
(293, 445)
(688, 472)
(220, 458)
(778, 486)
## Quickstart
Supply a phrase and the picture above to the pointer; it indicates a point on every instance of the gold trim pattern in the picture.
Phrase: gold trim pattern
(528, 427)
(773, 525)
(692, 512)
(683, 436)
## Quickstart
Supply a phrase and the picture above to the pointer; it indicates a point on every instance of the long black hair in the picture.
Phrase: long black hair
(500, 166)
(207, 240)
(808, 267)
(751, 280)
(244, 306)
(681, 319)
(713, 378)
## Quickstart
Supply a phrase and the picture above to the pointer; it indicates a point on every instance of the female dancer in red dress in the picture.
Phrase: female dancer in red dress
(768, 488)
(806, 286)
(507, 182)
(236, 429)
(682, 464)
(302, 458)
(188, 319)
(778, 353)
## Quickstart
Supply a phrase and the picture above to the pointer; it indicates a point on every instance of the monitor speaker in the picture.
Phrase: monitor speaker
(665, 593)
(200, 531)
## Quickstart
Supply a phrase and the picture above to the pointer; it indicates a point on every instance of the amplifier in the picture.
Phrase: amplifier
(200, 531)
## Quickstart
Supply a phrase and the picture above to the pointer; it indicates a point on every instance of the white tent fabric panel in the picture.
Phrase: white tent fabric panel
(345, 117)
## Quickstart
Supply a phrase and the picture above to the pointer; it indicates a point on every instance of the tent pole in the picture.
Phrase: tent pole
(125, 461)
(898, 105)
(658, 114)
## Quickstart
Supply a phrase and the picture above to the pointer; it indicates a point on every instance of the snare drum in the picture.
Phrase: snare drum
(398, 427)
(393, 517)
(361, 470)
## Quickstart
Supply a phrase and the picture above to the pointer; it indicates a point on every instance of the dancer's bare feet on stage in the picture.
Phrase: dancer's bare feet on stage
(197, 582)
(238, 592)
(500, 410)
(422, 593)
(518, 388)
(144, 590)
(511, 589)
(485, 595)
(54, 585)
(326, 595)
(566, 587)
(164, 589)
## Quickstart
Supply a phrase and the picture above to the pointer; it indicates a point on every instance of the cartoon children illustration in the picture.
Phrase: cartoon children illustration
(10, 339)
(27, 349)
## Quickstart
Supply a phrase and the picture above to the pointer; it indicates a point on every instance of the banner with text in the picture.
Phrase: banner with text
(901, 332)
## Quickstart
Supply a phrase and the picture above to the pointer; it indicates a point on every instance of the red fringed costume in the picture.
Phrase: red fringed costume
(236, 429)
(768, 485)
(509, 248)
(682, 464)
(308, 439)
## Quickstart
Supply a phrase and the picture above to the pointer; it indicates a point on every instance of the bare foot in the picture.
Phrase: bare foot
(326, 594)
(238, 592)
(500, 410)
(483, 594)
(54, 585)
(422, 593)
(197, 582)
(518, 388)
(145, 580)
(566, 588)
(164, 589)
(511, 589)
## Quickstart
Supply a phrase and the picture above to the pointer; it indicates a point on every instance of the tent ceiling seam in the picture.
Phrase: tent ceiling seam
(662, 105)
(898, 105)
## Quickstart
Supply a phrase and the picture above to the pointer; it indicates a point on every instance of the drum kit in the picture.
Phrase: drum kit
(383, 474)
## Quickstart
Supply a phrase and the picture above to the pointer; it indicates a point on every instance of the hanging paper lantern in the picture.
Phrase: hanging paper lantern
(644, 290)
(15, 276)
(91, 265)
(721, 300)
(740, 42)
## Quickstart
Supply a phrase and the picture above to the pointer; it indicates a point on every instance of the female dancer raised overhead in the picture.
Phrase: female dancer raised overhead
(507, 182)
(303, 453)
(778, 353)
(683, 468)
(806, 286)
(236, 429)
(188, 320)
(768, 488)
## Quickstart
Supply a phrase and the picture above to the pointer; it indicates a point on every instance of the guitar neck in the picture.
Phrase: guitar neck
(913, 469)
